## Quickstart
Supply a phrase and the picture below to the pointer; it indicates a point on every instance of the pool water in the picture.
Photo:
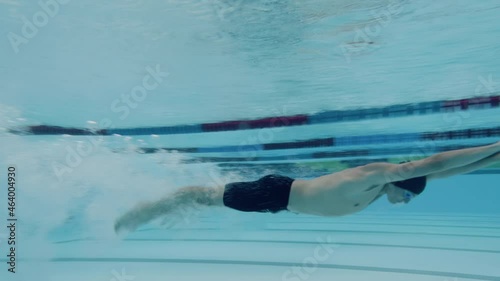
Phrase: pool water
(104, 105)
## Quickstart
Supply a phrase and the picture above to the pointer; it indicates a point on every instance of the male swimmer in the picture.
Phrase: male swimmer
(336, 194)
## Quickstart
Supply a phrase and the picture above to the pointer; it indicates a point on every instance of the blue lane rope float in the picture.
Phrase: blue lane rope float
(340, 141)
(315, 169)
(324, 155)
(333, 116)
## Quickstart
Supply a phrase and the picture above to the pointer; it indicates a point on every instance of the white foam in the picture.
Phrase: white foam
(65, 194)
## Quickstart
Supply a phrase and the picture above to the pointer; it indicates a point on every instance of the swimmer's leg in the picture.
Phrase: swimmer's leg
(190, 196)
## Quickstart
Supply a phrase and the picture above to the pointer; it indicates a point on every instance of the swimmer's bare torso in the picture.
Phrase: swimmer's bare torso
(335, 194)
(354, 189)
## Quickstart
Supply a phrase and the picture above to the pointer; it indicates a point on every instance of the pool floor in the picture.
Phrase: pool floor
(286, 247)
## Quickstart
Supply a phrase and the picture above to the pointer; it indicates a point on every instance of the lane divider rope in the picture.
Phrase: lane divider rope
(327, 154)
(333, 116)
(467, 134)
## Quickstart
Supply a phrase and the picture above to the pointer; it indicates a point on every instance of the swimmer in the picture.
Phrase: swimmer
(337, 194)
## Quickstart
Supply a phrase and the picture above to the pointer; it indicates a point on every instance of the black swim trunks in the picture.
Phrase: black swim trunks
(268, 194)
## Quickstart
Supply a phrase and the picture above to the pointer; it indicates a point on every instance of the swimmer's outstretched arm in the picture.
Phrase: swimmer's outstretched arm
(185, 197)
(485, 162)
(463, 157)
(437, 163)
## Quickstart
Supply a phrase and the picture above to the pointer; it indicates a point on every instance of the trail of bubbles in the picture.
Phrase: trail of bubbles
(86, 201)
